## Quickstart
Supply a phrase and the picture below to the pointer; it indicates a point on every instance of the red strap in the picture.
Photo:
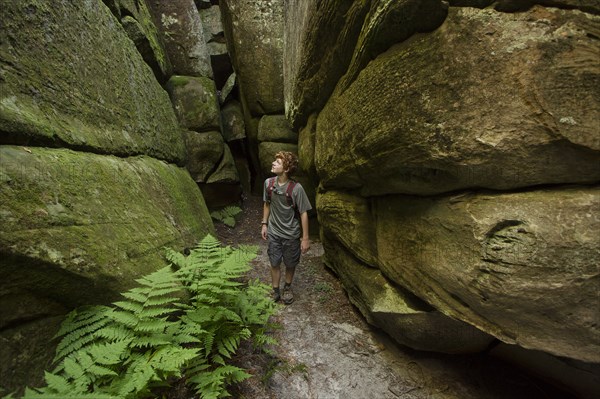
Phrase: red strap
(270, 187)
(288, 193)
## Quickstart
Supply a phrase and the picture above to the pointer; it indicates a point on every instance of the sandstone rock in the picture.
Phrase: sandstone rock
(404, 317)
(521, 266)
(214, 37)
(140, 26)
(591, 6)
(319, 40)
(76, 229)
(267, 151)
(258, 26)
(349, 219)
(488, 100)
(204, 153)
(306, 147)
(276, 128)
(183, 36)
(227, 88)
(195, 102)
(92, 91)
(389, 22)
(226, 171)
(233, 121)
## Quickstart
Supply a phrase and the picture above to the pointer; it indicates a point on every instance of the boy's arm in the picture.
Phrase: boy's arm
(305, 244)
(265, 219)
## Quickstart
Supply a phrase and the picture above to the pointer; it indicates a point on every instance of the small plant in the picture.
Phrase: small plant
(185, 320)
(324, 289)
(227, 215)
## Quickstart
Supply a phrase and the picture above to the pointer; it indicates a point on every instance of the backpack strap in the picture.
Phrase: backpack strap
(288, 193)
(270, 187)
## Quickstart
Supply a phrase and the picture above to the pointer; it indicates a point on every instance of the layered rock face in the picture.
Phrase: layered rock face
(194, 40)
(457, 160)
(91, 176)
(255, 36)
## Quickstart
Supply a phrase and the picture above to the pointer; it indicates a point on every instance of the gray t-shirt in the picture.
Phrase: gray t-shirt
(282, 222)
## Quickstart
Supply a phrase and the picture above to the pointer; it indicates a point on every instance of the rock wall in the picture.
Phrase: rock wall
(91, 167)
(194, 40)
(456, 153)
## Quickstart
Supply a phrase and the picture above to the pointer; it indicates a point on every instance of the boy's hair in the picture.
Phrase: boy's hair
(289, 161)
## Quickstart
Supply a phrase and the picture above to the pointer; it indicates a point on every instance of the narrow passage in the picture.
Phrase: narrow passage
(327, 350)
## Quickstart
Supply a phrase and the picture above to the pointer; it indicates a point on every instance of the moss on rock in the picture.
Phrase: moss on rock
(92, 91)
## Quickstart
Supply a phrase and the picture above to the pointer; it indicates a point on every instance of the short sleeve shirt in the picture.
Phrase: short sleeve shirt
(282, 220)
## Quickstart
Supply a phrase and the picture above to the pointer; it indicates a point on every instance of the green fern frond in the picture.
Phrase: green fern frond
(152, 325)
(226, 215)
(81, 336)
(81, 317)
(130, 306)
(109, 353)
(124, 317)
(114, 333)
(190, 320)
(149, 341)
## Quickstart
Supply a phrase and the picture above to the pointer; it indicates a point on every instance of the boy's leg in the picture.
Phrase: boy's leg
(275, 253)
(291, 258)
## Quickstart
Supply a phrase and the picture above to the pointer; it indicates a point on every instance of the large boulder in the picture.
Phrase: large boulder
(399, 313)
(181, 29)
(233, 121)
(306, 147)
(77, 228)
(521, 266)
(258, 26)
(70, 83)
(325, 38)
(204, 153)
(489, 99)
(319, 40)
(350, 220)
(138, 22)
(195, 102)
(276, 128)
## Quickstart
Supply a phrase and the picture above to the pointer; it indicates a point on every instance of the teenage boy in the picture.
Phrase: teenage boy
(284, 203)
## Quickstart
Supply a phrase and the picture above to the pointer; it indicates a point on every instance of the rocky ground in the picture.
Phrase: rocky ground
(326, 349)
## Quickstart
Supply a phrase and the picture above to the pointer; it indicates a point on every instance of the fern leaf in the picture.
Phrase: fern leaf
(73, 369)
(79, 338)
(163, 291)
(109, 354)
(114, 333)
(124, 317)
(56, 383)
(79, 318)
(148, 341)
(139, 297)
(130, 306)
(229, 221)
(152, 325)
(155, 312)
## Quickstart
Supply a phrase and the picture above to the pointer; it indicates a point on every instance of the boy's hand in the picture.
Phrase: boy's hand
(304, 245)
(264, 232)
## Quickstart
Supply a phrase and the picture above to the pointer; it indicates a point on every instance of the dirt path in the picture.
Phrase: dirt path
(326, 350)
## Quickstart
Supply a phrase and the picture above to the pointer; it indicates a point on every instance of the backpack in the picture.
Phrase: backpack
(288, 191)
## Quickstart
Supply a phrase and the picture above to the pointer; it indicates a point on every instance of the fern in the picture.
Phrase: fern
(186, 319)
(226, 215)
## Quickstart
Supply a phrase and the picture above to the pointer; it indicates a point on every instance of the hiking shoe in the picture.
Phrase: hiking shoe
(276, 295)
(288, 295)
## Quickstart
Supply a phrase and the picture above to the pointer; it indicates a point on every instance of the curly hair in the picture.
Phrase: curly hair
(289, 161)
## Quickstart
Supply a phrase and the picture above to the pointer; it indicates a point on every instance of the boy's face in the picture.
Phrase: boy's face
(277, 167)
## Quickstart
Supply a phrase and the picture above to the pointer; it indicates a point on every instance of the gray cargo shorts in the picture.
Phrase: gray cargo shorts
(287, 250)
